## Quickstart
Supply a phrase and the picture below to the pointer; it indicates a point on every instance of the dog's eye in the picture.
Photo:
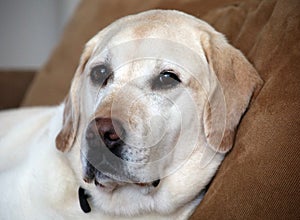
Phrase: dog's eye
(100, 74)
(166, 79)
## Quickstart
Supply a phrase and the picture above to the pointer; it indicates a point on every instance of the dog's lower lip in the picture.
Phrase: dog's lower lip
(98, 184)
(141, 184)
(154, 183)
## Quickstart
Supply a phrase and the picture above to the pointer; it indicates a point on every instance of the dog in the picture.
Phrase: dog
(152, 111)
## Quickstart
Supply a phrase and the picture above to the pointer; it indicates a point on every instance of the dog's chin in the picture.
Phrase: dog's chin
(116, 198)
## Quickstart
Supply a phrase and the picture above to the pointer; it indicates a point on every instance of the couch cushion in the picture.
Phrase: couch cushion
(259, 179)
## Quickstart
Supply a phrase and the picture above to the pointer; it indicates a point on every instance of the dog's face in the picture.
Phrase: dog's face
(152, 109)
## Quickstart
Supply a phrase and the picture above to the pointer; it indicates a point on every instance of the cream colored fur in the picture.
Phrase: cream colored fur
(40, 164)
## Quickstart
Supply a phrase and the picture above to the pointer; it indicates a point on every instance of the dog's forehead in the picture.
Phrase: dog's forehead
(159, 24)
(156, 24)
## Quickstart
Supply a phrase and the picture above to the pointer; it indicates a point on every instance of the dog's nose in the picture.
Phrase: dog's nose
(107, 129)
(110, 132)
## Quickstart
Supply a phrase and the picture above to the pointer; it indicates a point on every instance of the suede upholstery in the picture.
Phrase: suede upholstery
(259, 178)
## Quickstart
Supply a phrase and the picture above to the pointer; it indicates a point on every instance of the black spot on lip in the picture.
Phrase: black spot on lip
(155, 183)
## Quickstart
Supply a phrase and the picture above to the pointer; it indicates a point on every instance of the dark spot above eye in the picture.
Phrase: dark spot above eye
(100, 74)
(165, 80)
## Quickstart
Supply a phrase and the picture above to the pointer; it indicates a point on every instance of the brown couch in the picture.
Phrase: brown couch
(259, 178)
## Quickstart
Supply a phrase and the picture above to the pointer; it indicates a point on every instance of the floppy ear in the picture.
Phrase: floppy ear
(236, 82)
(71, 115)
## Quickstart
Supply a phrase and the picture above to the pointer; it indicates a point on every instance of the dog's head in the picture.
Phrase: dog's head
(152, 109)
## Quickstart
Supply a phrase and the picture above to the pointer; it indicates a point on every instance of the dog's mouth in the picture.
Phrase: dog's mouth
(154, 184)
(108, 182)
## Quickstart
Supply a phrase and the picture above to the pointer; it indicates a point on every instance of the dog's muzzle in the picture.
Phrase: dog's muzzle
(105, 160)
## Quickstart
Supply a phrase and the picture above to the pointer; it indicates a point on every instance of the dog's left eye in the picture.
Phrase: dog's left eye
(166, 79)
(100, 74)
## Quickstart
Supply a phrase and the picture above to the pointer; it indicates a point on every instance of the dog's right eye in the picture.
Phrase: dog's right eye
(100, 74)
(167, 79)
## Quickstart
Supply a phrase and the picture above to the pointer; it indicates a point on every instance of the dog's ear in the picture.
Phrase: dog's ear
(236, 82)
(71, 115)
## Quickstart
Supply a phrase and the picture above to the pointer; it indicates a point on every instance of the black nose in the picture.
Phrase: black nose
(111, 132)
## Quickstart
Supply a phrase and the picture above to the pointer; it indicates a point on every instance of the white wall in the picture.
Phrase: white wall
(29, 30)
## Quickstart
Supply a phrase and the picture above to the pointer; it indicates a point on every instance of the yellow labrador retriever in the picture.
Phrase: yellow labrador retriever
(152, 110)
